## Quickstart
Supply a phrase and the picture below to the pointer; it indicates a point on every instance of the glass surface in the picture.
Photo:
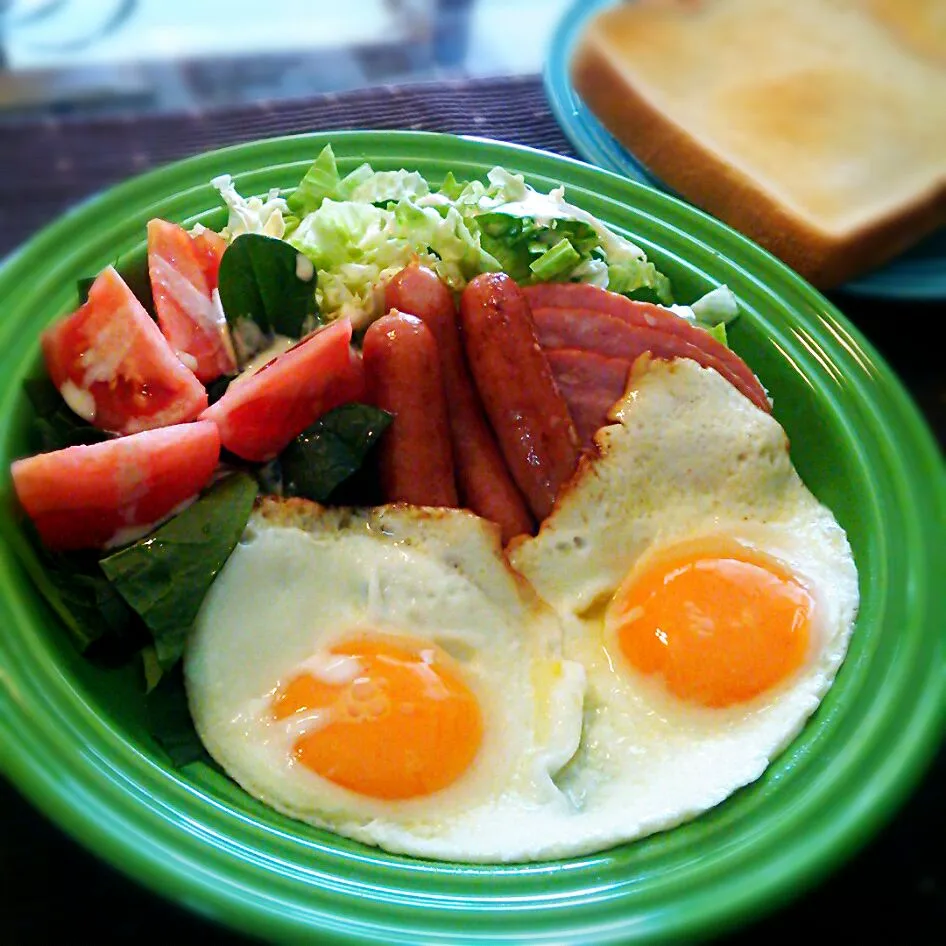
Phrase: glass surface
(95, 56)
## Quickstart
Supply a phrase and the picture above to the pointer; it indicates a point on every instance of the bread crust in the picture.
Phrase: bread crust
(707, 179)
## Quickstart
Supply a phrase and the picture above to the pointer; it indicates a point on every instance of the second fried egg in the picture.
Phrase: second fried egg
(707, 593)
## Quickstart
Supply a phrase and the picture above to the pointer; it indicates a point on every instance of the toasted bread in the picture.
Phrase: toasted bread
(816, 127)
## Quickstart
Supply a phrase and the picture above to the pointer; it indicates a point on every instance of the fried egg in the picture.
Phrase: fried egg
(384, 674)
(709, 596)
(394, 676)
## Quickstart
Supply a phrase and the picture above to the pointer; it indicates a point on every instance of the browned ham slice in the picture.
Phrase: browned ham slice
(590, 384)
(592, 331)
(575, 315)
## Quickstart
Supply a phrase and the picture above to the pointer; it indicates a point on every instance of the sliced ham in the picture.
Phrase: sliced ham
(588, 330)
(590, 384)
(573, 315)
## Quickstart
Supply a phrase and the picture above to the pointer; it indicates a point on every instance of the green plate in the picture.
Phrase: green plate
(72, 735)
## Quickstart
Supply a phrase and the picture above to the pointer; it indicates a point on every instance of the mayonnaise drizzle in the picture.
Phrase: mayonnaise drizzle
(79, 400)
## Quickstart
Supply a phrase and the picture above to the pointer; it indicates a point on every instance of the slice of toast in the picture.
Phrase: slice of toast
(816, 127)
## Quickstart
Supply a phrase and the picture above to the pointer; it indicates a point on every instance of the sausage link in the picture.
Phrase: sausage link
(402, 370)
(522, 401)
(483, 481)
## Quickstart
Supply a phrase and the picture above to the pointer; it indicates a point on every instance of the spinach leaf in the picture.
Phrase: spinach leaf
(97, 619)
(216, 389)
(169, 720)
(92, 610)
(165, 575)
(331, 450)
(82, 287)
(54, 425)
(258, 281)
(134, 270)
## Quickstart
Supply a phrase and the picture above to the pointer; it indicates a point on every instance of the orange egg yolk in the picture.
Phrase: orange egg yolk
(719, 622)
(404, 725)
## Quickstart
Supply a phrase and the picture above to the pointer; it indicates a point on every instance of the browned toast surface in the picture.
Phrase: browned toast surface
(817, 127)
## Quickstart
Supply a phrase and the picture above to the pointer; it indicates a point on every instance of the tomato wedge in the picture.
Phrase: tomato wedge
(209, 247)
(191, 321)
(113, 366)
(260, 413)
(112, 492)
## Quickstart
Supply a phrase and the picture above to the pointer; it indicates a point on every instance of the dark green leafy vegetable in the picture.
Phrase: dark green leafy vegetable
(269, 477)
(133, 268)
(258, 281)
(331, 450)
(92, 610)
(82, 287)
(165, 575)
(169, 720)
(55, 426)
(217, 389)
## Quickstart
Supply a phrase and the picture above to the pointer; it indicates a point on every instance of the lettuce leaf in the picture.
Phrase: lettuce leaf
(320, 181)
(361, 228)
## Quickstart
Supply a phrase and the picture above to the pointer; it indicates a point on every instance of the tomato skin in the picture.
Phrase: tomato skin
(209, 247)
(113, 366)
(111, 492)
(259, 415)
(194, 326)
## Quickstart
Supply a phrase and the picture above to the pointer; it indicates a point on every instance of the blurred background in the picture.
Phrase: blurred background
(90, 57)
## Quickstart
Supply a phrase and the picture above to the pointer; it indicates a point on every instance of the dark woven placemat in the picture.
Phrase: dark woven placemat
(48, 165)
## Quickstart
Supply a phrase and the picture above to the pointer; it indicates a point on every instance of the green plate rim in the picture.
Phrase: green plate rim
(173, 832)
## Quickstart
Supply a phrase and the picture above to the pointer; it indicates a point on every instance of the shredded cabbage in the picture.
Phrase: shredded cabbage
(359, 229)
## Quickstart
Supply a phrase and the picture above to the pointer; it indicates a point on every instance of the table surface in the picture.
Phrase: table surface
(896, 886)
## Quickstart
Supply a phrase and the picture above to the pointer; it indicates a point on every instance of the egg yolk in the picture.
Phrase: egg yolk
(403, 724)
(719, 622)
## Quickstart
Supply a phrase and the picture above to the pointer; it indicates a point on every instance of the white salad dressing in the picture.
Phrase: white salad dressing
(80, 401)
(305, 270)
(276, 346)
(253, 214)
(188, 296)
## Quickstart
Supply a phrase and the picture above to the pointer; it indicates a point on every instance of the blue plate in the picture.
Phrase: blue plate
(919, 274)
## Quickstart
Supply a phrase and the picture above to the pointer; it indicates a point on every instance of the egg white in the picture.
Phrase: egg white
(687, 457)
(580, 751)
(305, 577)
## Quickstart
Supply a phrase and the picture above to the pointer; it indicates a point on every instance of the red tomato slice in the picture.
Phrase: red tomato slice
(193, 324)
(209, 247)
(259, 414)
(113, 492)
(113, 366)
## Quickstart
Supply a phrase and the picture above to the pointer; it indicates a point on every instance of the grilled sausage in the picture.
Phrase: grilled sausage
(483, 481)
(522, 401)
(402, 371)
